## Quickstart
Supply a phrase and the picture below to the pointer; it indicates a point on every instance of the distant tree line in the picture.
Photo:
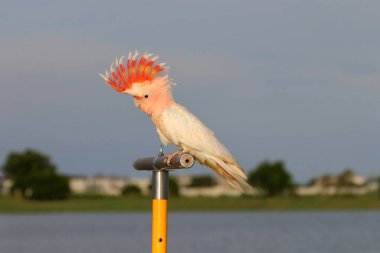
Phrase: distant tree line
(34, 176)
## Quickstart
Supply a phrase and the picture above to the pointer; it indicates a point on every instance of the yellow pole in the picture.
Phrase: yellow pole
(160, 194)
(159, 226)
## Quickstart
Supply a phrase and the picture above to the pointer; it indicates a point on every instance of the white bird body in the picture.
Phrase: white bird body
(175, 124)
(178, 126)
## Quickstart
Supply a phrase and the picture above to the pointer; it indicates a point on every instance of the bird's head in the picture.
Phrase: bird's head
(141, 77)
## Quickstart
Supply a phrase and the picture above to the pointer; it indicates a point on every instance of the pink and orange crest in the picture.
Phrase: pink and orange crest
(136, 70)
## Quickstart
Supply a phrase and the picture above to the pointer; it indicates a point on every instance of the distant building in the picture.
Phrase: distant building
(218, 190)
(5, 186)
(113, 186)
(345, 183)
(373, 184)
(106, 185)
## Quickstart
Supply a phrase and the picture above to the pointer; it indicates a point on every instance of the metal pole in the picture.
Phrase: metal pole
(160, 192)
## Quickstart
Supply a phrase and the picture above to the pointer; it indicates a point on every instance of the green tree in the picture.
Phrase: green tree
(35, 176)
(271, 177)
(131, 190)
(20, 167)
(48, 186)
(345, 179)
(202, 181)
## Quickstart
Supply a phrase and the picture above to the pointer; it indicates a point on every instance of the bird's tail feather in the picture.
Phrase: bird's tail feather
(233, 174)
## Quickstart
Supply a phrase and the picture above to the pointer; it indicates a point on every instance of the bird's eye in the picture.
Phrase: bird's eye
(146, 96)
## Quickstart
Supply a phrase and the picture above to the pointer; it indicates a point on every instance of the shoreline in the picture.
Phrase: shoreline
(91, 204)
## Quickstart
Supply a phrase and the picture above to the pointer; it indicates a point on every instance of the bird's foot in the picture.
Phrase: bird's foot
(170, 156)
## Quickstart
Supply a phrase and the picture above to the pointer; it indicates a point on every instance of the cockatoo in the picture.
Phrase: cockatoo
(141, 77)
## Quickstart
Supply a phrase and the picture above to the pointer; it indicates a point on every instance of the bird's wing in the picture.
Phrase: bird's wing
(186, 131)
(163, 139)
(181, 127)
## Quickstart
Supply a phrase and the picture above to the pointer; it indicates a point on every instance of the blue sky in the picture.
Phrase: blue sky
(291, 80)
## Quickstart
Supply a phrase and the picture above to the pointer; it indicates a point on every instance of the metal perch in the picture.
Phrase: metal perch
(160, 191)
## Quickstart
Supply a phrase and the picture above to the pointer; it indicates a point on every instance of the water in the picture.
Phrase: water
(277, 232)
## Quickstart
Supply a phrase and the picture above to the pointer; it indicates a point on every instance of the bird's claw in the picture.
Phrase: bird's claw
(170, 156)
